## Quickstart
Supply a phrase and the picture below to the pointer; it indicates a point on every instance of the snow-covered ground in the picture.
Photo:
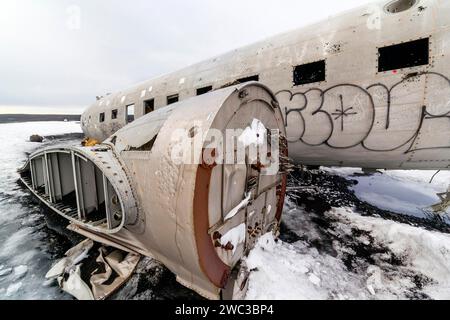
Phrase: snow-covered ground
(341, 254)
(26, 245)
(340, 239)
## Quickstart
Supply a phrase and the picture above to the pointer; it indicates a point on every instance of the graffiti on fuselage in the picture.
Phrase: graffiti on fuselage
(378, 118)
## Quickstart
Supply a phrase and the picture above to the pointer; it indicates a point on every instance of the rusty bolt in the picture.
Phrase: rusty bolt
(217, 244)
(217, 235)
(211, 163)
(229, 246)
(258, 166)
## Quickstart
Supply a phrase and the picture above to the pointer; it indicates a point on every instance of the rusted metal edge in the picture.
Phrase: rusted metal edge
(213, 267)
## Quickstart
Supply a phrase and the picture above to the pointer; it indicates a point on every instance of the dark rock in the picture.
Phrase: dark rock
(152, 281)
(36, 138)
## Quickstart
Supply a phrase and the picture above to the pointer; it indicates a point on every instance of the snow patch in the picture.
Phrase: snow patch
(13, 288)
(299, 271)
(235, 236)
(236, 209)
(20, 272)
(5, 271)
(254, 134)
(314, 279)
(16, 239)
(283, 272)
(424, 252)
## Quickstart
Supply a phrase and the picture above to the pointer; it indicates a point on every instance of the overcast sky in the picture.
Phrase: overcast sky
(57, 55)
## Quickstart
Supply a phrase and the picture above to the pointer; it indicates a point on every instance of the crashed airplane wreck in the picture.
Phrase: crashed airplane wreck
(369, 88)
(199, 219)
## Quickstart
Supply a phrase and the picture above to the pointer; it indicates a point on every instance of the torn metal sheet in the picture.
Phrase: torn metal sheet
(118, 262)
(72, 258)
(75, 286)
(93, 272)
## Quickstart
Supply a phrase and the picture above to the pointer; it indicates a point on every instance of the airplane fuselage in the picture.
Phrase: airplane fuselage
(368, 88)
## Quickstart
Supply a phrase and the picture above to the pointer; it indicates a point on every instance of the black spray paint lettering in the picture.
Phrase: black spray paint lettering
(336, 107)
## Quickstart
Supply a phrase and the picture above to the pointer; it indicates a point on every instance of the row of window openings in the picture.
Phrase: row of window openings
(399, 56)
(404, 55)
(149, 105)
(115, 113)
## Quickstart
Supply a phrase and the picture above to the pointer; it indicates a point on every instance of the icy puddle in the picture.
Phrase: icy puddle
(405, 192)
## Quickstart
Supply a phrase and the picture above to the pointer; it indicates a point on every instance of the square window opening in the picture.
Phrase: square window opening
(204, 90)
(404, 55)
(114, 114)
(102, 117)
(309, 73)
(172, 99)
(248, 79)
